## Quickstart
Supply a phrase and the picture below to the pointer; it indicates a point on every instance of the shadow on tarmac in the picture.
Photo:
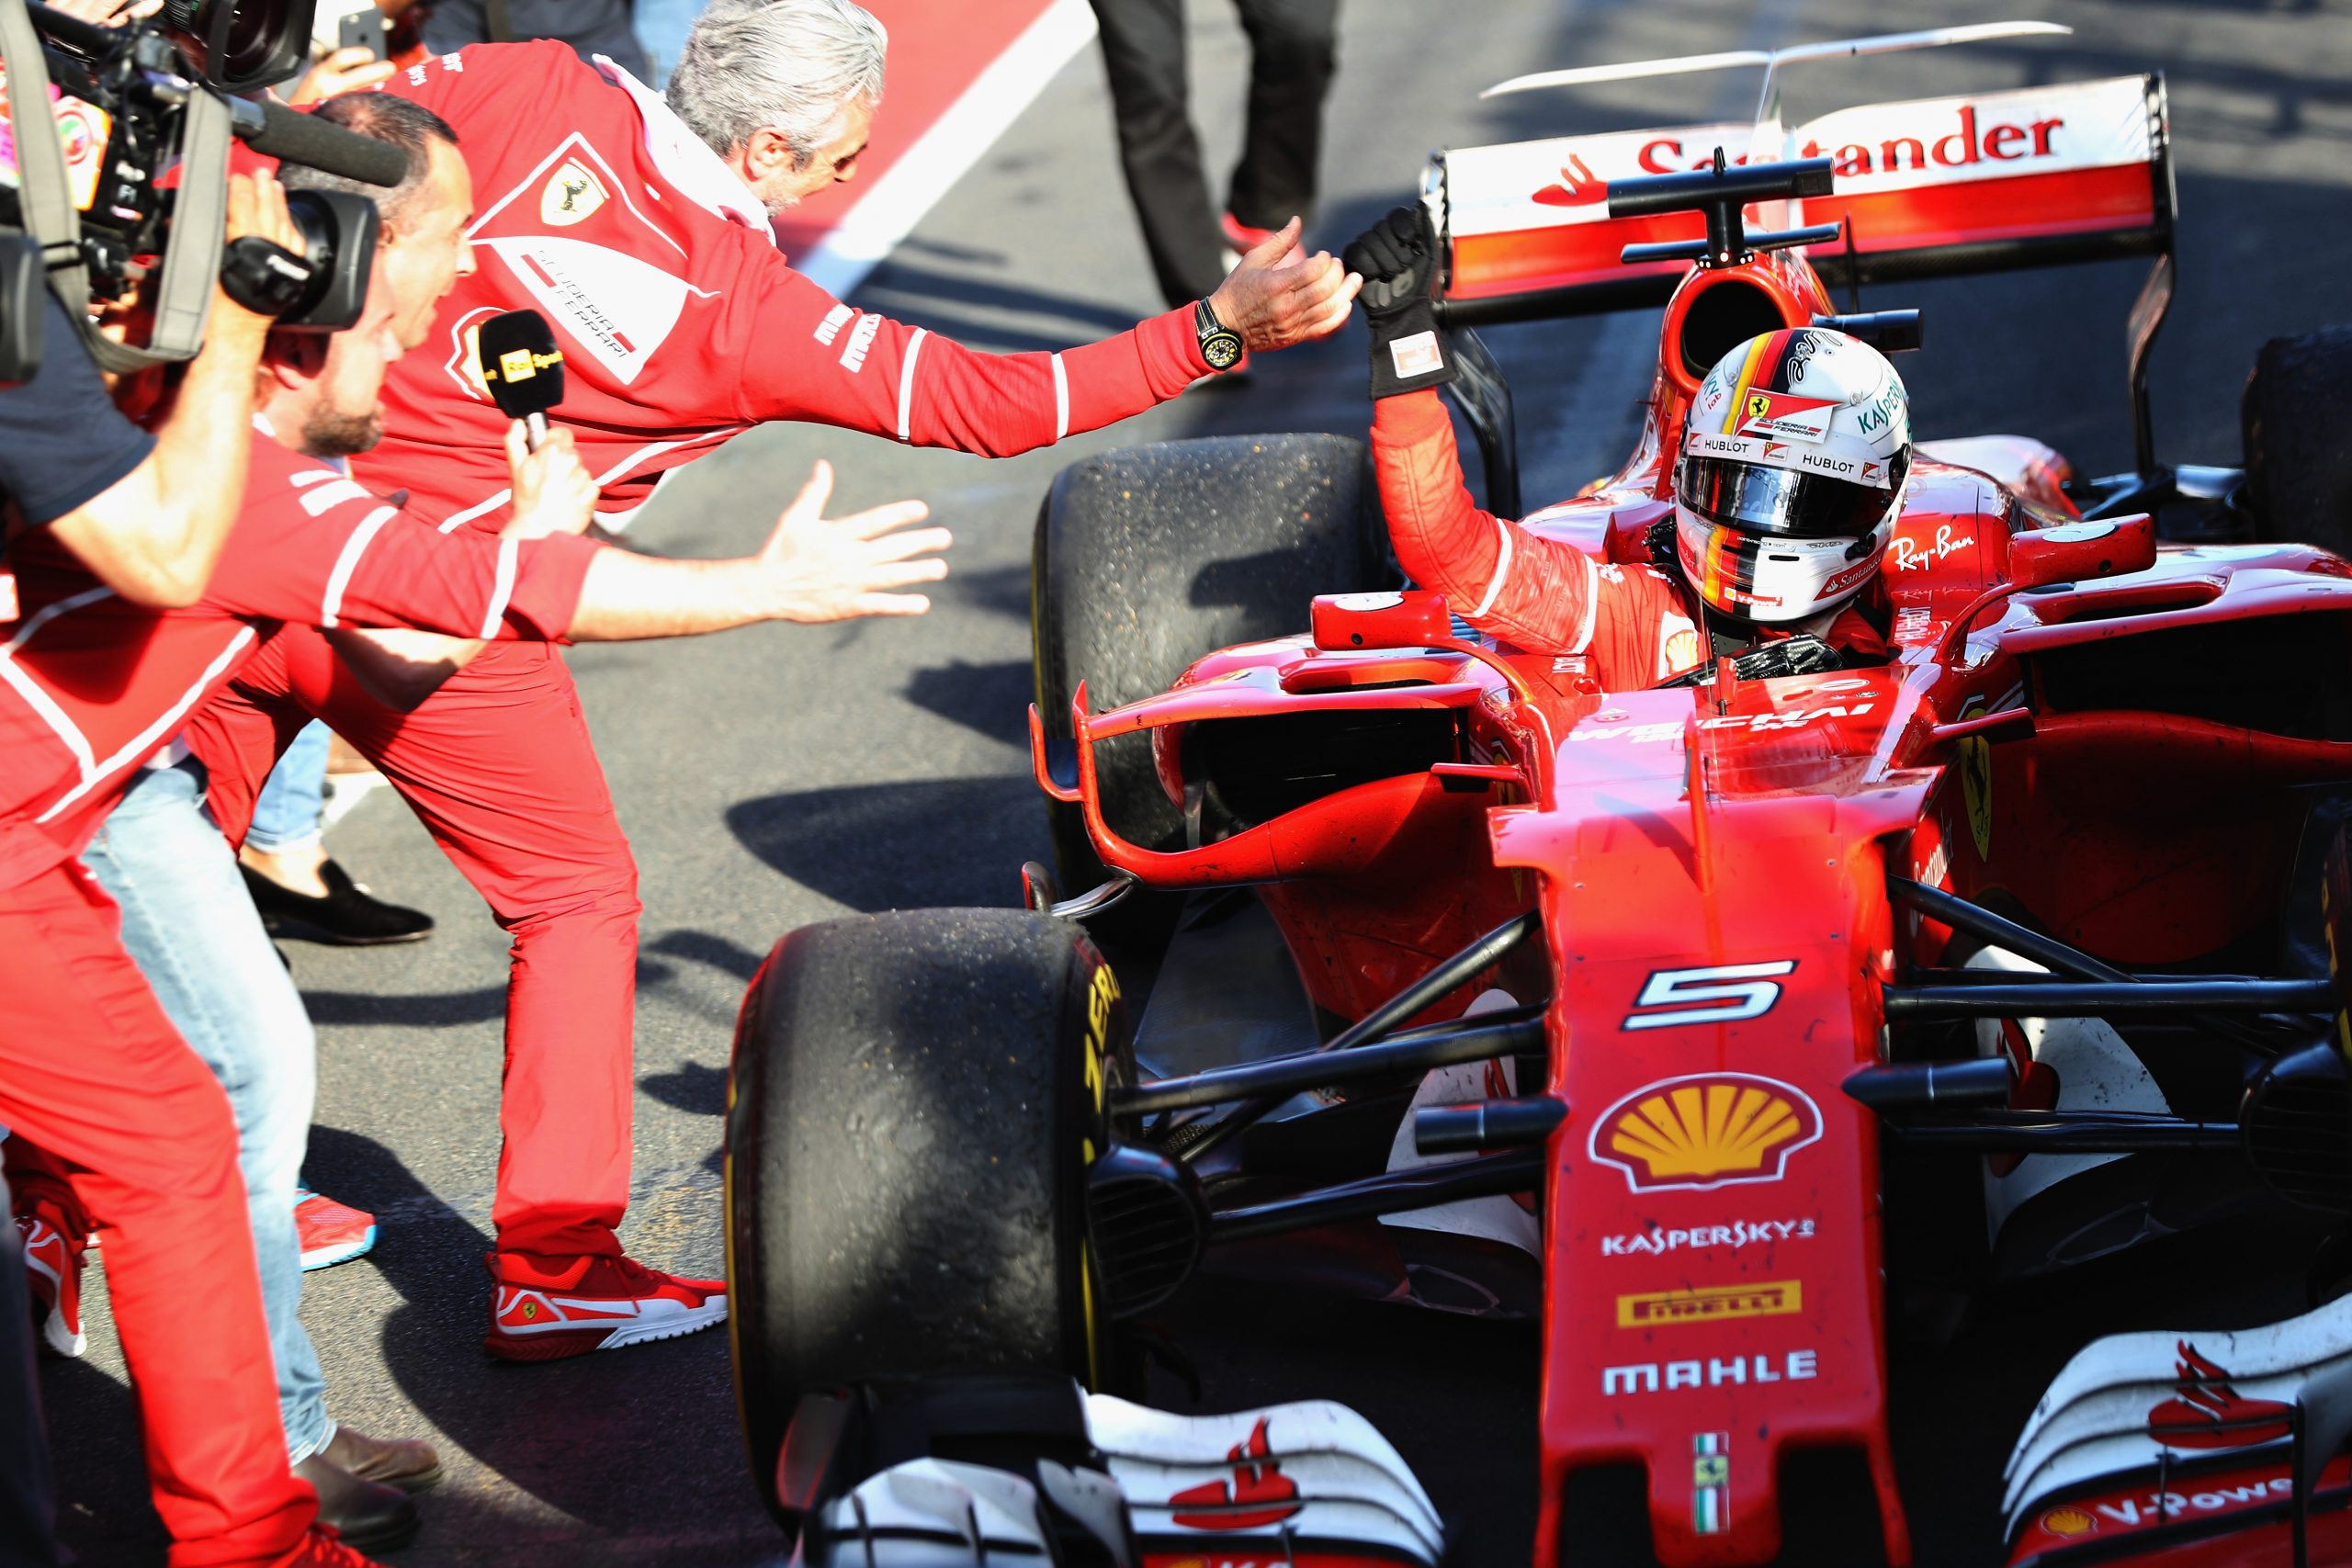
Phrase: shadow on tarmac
(875, 847)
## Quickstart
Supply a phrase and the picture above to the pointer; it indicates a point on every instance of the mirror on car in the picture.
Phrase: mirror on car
(2080, 552)
(1413, 617)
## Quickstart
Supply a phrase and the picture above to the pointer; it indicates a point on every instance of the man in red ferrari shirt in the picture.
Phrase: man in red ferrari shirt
(91, 683)
(641, 230)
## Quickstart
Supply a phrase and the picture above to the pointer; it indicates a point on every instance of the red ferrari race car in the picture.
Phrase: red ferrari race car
(1739, 1031)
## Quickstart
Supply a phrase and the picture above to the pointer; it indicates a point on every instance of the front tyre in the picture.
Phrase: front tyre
(915, 1098)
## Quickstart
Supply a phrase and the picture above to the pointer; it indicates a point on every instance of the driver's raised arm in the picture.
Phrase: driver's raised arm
(1531, 592)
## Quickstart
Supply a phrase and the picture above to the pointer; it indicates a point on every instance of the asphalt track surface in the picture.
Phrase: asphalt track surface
(781, 775)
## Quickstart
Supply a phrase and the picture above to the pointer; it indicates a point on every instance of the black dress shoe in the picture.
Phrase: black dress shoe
(348, 917)
(370, 1518)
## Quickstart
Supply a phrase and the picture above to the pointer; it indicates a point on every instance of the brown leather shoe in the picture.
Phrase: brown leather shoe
(367, 1516)
(403, 1462)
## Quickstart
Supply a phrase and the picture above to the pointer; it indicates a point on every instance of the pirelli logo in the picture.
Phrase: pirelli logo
(1712, 1303)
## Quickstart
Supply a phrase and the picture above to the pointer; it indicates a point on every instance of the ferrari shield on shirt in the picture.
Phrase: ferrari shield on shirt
(91, 684)
(680, 321)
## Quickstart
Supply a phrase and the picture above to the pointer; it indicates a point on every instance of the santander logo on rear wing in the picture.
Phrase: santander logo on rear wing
(1923, 187)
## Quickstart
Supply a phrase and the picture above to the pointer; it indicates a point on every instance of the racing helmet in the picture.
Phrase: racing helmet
(1793, 458)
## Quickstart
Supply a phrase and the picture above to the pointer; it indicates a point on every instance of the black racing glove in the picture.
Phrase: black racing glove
(1803, 654)
(1397, 258)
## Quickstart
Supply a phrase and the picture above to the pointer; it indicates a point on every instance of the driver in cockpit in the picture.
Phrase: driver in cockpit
(1791, 475)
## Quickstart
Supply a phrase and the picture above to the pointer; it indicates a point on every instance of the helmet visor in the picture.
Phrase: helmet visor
(1785, 504)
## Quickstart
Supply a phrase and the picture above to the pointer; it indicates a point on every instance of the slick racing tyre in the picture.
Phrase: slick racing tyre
(2298, 442)
(915, 1098)
(1147, 558)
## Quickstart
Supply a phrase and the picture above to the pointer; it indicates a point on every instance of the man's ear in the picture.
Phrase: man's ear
(295, 359)
(769, 152)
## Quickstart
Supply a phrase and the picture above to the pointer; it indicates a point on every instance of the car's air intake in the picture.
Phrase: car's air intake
(1147, 1225)
(2298, 1128)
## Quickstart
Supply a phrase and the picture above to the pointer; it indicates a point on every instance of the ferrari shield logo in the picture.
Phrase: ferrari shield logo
(1787, 416)
(1705, 1130)
(573, 192)
(1975, 763)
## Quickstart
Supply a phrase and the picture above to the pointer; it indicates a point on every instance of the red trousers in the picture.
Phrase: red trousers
(498, 767)
(92, 1071)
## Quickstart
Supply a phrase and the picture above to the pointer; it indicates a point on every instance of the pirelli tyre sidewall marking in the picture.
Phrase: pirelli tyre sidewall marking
(1099, 1014)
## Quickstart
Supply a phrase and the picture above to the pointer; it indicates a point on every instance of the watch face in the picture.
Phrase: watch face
(1222, 350)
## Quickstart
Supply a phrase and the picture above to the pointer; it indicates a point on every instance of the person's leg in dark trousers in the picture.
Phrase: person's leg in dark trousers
(1292, 55)
(27, 1498)
(1143, 49)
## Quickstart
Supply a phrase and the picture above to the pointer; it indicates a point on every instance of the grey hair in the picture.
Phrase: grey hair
(794, 66)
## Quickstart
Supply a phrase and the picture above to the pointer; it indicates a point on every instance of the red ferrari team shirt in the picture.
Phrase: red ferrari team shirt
(681, 324)
(1631, 626)
(92, 685)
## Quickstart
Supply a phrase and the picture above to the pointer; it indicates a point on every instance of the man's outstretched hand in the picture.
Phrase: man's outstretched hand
(1278, 295)
(833, 568)
(813, 568)
(1397, 260)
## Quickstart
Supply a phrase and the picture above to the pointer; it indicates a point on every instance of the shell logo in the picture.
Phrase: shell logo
(1705, 1130)
(2068, 1523)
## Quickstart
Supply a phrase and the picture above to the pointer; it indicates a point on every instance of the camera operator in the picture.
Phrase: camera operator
(90, 1068)
(145, 513)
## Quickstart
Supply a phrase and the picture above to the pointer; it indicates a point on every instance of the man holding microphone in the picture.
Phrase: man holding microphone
(641, 227)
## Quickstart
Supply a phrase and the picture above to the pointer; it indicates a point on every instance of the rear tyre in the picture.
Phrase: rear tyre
(2298, 446)
(915, 1098)
(1147, 558)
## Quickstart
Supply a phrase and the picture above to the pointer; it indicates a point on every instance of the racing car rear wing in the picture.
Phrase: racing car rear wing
(1928, 187)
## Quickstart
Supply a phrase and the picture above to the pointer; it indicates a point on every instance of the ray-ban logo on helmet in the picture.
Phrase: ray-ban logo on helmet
(1705, 1130)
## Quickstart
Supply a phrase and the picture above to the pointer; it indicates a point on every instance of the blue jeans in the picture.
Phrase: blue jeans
(190, 926)
(662, 27)
(286, 815)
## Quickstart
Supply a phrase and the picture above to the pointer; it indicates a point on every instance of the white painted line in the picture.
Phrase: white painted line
(943, 155)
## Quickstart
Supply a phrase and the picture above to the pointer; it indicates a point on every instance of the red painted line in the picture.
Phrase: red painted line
(938, 48)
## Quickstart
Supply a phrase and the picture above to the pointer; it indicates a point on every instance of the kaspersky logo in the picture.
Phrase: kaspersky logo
(1705, 1130)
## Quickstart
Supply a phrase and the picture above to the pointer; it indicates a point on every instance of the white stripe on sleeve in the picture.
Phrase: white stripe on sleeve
(1502, 569)
(1592, 607)
(319, 498)
(502, 590)
(348, 562)
(1061, 399)
(907, 381)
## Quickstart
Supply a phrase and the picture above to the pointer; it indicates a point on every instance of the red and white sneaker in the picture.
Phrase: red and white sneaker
(545, 1311)
(321, 1547)
(53, 1272)
(1242, 237)
(331, 1232)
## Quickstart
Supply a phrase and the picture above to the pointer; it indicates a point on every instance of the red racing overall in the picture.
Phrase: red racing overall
(1632, 625)
(681, 326)
(100, 1091)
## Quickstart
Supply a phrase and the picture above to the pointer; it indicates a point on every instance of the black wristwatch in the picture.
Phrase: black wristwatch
(1220, 345)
